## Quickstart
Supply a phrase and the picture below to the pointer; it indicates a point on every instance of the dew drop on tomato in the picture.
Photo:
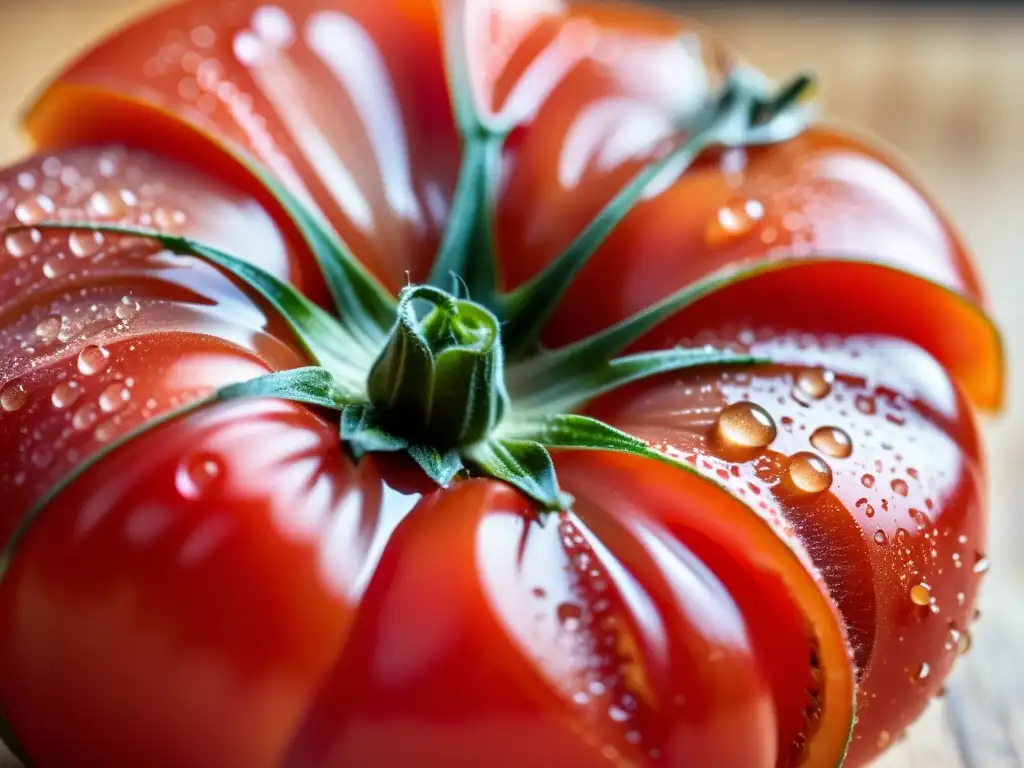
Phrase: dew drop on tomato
(868, 481)
(23, 242)
(197, 474)
(865, 404)
(569, 616)
(107, 204)
(65, 394)
(980, 563)
(733, 220)
(812, 384)
(881, 537)
(12, 397)
(921, 594)
(85, 244)
(55, 267)
(832, 441)
(114, 397)
(964, 643)
(899, 487)
(126, 308)
(809, 472)
(33, 211)
(93, 359)
(49, 328)
(85, 417)
(746, 425)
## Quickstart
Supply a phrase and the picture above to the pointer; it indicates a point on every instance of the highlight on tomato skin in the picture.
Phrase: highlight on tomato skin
(231, 589)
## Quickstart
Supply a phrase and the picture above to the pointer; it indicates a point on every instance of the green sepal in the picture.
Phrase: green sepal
(441, 467)
(312, 386)
(553, 383)
(365, 307)
(363, 434)
(523, 464)
(323, 338)
(742, 115)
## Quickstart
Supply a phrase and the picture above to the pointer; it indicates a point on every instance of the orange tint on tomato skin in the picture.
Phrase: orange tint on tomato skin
(485, 638)
(904, 508)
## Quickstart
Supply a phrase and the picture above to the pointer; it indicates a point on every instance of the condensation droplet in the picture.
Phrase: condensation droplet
(921, 594)
(35, 210)
(114, 397)
(54, 267)
(832, 441)
(197, 474)
(809, 472)
(85, 244)
(923, 671)
(733, 220)
(93, 359)
(980, 563)
(49, 328)
(569, 616)
(107, 204)
(813, 384)
(868, 481)
(964, 643)
(880, 537)
(85, 417)
(13, 397)
(126, 308)
(65, 394)
(746, 425)
(865, 404)
(23, 242)
(899, 487)
(952, 638)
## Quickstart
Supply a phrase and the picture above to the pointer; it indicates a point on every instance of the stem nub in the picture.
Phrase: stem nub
(440, 379)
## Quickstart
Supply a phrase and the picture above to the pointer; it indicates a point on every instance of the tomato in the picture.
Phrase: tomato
(233, 588)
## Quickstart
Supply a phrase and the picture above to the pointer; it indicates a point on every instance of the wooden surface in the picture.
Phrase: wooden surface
(945, 88)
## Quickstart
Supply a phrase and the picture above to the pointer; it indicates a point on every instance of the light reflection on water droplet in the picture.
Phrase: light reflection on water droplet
(13, 397)
(93, 359)
(812, 384)
(85, 417)
(732, 221)
(85, 244)
(980, 563)
(197, 474)
(114, 397)
(48, 328)
(22, 242)
(809, 472)
(868, 481)
(832, 441)
(899, 487)
(921, 594)
(569, 616)
(37, 209)
(923, 672)
(107, 204)
(746, 425)
(65, 394)
(880, 537)
(964, 643)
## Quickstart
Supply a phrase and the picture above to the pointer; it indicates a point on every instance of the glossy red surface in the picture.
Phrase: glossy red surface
(231, 591)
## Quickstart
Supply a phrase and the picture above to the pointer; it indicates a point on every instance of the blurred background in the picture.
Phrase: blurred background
(944, 84)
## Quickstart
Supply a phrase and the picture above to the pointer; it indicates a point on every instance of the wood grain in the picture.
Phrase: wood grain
(947, 89)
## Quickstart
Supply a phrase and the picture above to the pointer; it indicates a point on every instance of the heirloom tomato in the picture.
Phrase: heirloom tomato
(473, 382)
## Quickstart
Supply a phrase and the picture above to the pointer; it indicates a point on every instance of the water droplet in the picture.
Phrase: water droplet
(54, 267)
(899, 487)
(618, 714)
(813, 383)
(48, 329)
(884, 739)
(964, 643)
(733, 220)
(197, 474)
(93, 359)
(923, 671)
(126, 308)
(952, 638)
(23, 242)
(581, 698)
(85, 244)
(35, 210)
(809, 472)
(921, 594)
(868, 481)
(569, 616)
(880, 537)
(85, 417)
(114, 397)
(746, 425)
(832, 441)
(865, 404)
(12, 397)
(65, 394)
(107, 204)
(980, 563)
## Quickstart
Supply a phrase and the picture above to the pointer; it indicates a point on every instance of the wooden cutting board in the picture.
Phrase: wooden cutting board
(947, 89)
